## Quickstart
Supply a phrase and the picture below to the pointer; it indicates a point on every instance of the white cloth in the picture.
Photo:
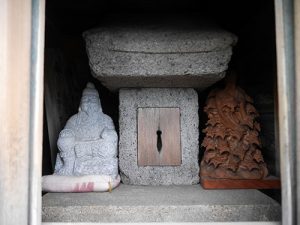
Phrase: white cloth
(89, 183)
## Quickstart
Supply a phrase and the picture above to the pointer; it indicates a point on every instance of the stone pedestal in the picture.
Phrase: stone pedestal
(185, 100)
(187, 203)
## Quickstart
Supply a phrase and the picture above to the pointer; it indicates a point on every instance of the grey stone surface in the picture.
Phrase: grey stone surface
(158, 56)
(184, 98)
(88, 143)
(188, 203)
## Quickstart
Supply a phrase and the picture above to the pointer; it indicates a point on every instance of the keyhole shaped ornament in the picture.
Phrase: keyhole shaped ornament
(159, 140)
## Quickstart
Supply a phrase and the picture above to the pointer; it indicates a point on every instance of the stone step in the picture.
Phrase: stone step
(189, 203)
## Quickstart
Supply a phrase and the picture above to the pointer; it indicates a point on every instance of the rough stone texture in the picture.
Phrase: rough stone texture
(184, 98)
(189, 203)
(158, 56)
(88, 143)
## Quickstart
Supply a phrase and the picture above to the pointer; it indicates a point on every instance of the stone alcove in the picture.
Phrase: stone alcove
(67, 71)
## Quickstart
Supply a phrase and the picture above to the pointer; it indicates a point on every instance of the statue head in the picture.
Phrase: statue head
(90, 101)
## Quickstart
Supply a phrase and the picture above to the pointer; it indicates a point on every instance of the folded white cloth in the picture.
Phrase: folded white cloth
(88, 183)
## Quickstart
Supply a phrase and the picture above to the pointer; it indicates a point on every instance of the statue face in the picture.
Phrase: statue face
(90, 104)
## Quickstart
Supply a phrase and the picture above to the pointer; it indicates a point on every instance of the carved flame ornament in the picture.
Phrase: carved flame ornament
(232, 144)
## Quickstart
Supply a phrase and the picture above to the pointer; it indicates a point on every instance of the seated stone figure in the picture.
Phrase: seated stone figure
(88, 143)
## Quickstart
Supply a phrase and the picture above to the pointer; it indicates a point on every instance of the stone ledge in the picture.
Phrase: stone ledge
(188, 203)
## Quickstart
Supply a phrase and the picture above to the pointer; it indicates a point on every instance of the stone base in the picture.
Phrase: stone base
(188, 203)
(186, 99)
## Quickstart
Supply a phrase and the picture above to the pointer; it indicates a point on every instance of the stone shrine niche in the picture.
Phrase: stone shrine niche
(153, 70)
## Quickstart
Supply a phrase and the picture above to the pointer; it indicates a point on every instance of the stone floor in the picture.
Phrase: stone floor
(160, 204)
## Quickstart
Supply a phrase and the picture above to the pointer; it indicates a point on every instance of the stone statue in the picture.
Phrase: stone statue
(232, 144)
(88, 143)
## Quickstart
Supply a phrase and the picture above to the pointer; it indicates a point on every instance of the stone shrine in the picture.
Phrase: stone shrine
(155, 67)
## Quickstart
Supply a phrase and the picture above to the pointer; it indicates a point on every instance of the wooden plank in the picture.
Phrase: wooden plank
(152, 149)
(147, 128)
(297, 102)
(268, 183)
(21, 113)
(169, 123)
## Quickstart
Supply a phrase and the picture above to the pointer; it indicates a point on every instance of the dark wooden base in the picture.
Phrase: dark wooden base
(270, 182)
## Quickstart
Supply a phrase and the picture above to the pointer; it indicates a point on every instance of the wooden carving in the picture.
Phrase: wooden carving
(232, 144)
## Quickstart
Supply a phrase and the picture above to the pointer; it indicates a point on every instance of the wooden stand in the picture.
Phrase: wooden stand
(270, 182)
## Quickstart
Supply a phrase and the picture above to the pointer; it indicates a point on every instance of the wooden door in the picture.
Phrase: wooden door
(159, 137)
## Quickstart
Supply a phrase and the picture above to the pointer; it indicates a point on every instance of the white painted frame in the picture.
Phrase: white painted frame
(22, 25)
(288, 83)
(21, 110)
